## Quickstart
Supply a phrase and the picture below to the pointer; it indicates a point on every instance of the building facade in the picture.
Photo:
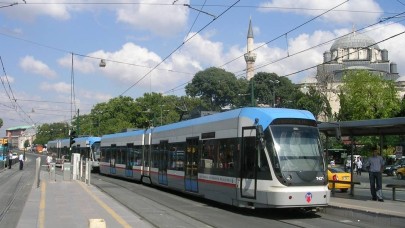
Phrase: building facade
(354, 51)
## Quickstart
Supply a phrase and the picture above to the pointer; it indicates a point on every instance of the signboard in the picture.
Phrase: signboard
(398, 152)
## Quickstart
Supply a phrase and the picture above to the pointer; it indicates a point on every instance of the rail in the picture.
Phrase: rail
(394, 187)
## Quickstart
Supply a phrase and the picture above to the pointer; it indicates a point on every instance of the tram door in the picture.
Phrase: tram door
(163, 160)
(129, 172)
(146, 154)
(248, 178)
(191, 165)
(113, 151)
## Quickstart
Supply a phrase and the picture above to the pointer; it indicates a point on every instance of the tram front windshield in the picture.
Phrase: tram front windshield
(296, 149)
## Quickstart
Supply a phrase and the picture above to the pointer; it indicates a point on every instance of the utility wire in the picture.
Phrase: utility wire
(179, 47)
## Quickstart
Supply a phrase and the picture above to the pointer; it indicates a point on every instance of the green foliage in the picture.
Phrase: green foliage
(1, 122)
(315, 102)
(26, 143)
(367, 96)
(48, 132)
(214, 86)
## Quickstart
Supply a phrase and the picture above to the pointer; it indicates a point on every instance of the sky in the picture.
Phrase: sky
(50, 50)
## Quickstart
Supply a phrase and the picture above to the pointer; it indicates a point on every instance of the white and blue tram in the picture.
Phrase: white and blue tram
(86, 146)
(249, 157)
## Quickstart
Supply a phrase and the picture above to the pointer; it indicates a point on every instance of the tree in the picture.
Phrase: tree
(365, 95)
(402, 112)
(315, 102)
(108, 117)
(1, 122)
(214, 86)
(47, 132)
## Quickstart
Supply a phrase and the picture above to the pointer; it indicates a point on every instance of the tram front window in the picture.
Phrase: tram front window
(296, 150)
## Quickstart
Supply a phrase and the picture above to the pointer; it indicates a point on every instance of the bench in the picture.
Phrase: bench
(341, 182)
(395, 186)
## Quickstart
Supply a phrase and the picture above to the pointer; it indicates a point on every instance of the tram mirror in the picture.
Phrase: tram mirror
(259, 131)
(338, 134)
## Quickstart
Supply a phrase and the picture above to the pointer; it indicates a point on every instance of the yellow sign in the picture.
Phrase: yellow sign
(1, 141)
(5, 141)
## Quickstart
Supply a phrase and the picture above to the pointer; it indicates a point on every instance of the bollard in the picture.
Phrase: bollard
(52, 176)
(37, 169)
(97, 223)
(66, 171)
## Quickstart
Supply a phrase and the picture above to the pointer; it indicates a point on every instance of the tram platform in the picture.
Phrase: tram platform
(60, 203)
(357, 208)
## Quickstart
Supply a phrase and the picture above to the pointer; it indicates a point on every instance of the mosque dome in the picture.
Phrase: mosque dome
(354, 40)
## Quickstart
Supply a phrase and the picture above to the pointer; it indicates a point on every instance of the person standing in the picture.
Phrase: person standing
(10, 159)
(21, 159)
(359, 166)
(376, 167)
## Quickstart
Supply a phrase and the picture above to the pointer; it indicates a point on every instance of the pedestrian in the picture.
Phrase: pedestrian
(48, 162)
(376, 167)
(21, 159)
(10, 159)
(359, 165)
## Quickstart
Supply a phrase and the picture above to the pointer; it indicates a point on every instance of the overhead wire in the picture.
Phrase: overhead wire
(177, 48)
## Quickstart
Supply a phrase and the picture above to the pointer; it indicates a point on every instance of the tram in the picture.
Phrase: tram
(248, 157)
(86, 146)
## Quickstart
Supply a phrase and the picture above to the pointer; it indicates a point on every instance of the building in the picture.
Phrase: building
(18, 135)
(354, 51)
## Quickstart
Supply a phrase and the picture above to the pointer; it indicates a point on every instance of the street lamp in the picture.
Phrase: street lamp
(274, 91)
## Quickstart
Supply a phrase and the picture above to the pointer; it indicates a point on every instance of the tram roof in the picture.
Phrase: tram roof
(389, 126)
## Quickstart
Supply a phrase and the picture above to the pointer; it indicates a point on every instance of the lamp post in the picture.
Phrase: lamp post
(161, 114)
(274, 91)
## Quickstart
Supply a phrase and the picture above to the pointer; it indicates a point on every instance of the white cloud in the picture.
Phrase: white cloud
(158, 16)
(28, 12)
(29, 64)
(56, 88)
(83, 65)
(370, 10)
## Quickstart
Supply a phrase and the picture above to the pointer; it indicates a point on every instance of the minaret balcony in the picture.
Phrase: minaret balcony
(250, 57)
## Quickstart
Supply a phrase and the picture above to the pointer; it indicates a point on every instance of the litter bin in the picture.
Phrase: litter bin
(66, 171)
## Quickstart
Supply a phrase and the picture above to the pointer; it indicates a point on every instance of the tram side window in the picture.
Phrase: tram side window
(103, 155)
(155, 156)
(176, 156)
(131, 157)
(218, 157)
(138, 155)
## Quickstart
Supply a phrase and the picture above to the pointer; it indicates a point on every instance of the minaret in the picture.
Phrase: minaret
(250, 57)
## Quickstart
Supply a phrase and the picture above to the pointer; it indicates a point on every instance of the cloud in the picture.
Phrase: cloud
(29, 64)
(158, 16)
(57, 88)
(29, 12)
(346, 13)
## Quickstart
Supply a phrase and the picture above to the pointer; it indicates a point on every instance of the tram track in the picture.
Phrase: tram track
(209, 212)
(13, 188)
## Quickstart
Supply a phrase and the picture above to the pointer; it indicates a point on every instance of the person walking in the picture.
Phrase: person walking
(359, 166)
(10, 159)
(376, 167)
(21, 159)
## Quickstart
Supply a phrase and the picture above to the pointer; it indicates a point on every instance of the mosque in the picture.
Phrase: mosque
(354, 51)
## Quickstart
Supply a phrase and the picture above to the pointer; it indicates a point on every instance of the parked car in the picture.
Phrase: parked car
(401, 172)
(338, 174)
(391, 170)
(14, 156)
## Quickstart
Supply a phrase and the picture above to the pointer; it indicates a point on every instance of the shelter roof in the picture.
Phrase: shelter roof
(389, 126)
